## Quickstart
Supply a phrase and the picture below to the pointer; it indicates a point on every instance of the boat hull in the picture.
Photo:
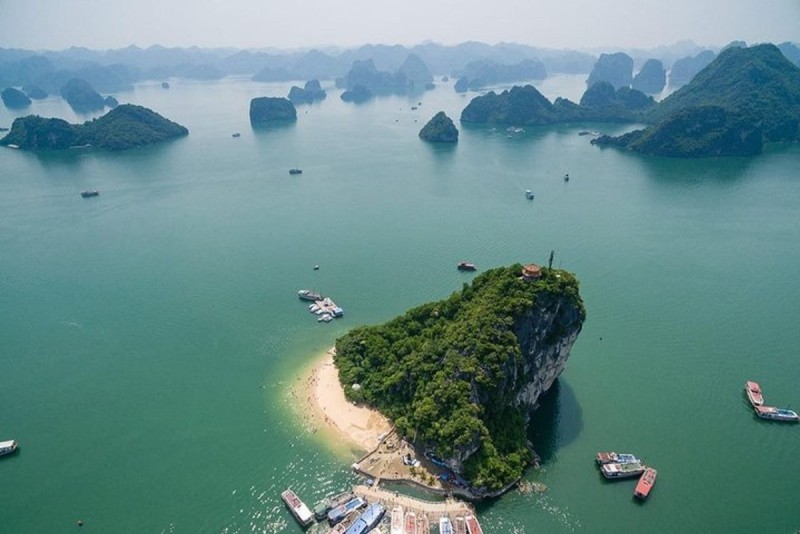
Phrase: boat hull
(645, 484)
(754, 395)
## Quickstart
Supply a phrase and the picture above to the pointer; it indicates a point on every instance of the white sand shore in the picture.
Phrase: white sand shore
(359, 426)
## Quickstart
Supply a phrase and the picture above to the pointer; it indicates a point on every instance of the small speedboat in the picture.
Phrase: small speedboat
(7, 447)
(777, 414)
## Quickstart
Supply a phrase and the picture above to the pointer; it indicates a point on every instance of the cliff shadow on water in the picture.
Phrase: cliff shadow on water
(557, 422)
(264, 129)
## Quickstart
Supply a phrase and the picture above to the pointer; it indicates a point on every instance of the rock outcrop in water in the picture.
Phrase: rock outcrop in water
(81, 96)
(266, 110)
(460, 377)
(15, 99)
(311, 92)
(123, 127)
(440, 129)
(357, 94)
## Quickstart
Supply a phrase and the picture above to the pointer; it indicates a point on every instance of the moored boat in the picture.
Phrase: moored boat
(367, 521)
(397, 520)
(460, 526)
(343, 510)
(465, 266)
(423, 525)
(777, 414)
(327, 504)
(645, 484)
(8, 447)
(754, 394)
(298, 508)
(89, 193)
(410, 524)
(616, 471)
(307, 294)
(473, 527)
(616, 458)
(445, 526)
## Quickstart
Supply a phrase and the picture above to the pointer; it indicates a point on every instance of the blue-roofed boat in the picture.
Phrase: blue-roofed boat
(777, 414)
(368, 520)
(616, 458)
(340, 512)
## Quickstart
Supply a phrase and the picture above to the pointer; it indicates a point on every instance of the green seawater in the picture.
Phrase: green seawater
(149, 337)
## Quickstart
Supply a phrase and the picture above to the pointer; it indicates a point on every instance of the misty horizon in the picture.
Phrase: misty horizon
(254, 25)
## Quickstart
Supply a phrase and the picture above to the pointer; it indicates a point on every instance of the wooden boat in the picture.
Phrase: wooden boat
(460, 526)
(410, 524)
(777, 414)
(754, 394)
(423, 525)
(616, 458)
(464, 266)
(397, 520)
(645, 484)
(473, 527)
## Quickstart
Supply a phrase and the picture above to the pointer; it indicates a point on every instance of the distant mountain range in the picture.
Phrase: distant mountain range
(109, 71)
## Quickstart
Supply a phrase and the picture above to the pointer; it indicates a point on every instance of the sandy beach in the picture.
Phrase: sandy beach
(328, 409)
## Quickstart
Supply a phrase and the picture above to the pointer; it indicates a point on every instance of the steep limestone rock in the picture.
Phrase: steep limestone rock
(616, 69)
(651, 78)
(15, 99)
(440, 129)
(264, 110)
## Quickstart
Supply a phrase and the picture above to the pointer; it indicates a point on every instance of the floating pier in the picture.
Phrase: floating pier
(432, 510)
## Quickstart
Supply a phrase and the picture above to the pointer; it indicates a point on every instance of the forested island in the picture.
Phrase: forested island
(123, 127)
(440, 129)
(744, 98)
(266, 110)
(460, 377)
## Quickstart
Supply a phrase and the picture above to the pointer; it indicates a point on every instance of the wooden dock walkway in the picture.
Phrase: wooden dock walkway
(432, 509)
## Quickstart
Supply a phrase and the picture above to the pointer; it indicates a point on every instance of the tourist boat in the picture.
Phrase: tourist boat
(324, 506)
(368, 520)
(754, 393)
(460, 526)
(616, 471)
(307, 294)
(473, 527)
(343, 510)
(298, 508)
(464, 266)
(445, 526)
(397, 520)
(90, 193)
(295, 171)
(645, 484)
(237, 134)
(529, 194)
(411, 523)
(616, 458)
(777, 414)
(566, 177)
(7, 447)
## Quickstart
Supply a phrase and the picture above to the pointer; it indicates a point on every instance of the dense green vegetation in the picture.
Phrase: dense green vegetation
(264, 110)
(744, 98)
(14, 98)
(440, 129)
(527, 106)
(125, 126)
(447, 373)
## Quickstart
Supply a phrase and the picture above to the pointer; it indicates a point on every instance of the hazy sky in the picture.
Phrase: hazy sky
(57, 24)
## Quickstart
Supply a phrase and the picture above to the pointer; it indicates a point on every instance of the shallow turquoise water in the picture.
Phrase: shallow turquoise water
(148, 337)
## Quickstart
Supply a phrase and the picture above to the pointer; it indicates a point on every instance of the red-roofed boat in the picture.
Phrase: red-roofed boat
(645, 484)
(754, 393)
